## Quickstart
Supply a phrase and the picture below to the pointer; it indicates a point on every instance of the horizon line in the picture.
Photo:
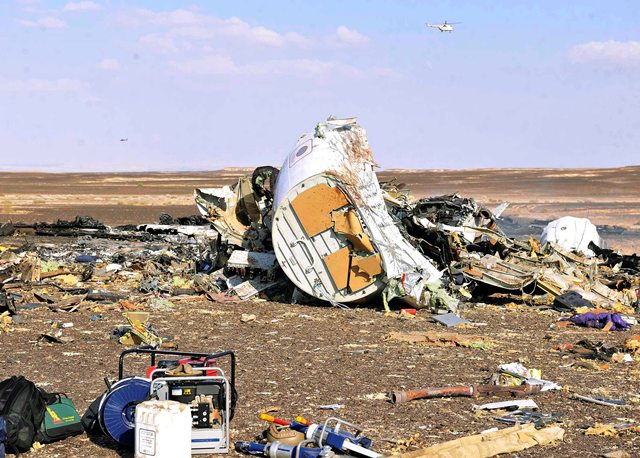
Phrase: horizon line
(250, 168)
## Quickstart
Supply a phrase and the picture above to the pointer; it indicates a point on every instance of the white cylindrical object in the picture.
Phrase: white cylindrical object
(310, 244)
(163, 430)
(572, 234)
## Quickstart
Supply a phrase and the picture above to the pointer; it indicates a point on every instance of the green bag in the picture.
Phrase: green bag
(61, 420)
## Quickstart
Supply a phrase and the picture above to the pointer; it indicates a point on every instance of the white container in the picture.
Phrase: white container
(163, 430)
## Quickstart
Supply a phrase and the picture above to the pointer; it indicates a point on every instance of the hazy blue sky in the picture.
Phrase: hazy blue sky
(207, 84)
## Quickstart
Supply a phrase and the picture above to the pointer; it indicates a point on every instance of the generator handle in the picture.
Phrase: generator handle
(207, 357)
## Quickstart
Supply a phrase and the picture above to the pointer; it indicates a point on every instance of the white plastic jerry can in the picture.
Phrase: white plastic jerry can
(163, 430)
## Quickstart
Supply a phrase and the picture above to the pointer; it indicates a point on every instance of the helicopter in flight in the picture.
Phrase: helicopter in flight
(445, 27)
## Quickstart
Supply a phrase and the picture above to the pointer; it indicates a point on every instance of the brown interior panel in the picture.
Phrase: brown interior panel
(347, 224)
(313, 207)
(363, 271)
(338, 266)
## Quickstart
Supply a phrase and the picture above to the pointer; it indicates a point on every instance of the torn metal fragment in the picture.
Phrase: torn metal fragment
(251, 259)
(450, 320)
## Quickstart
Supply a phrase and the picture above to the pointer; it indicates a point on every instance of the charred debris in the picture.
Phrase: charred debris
(320, 229)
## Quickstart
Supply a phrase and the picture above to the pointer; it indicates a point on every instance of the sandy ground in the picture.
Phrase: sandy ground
(299, 357)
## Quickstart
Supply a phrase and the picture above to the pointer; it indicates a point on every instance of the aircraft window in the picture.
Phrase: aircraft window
(302, 150)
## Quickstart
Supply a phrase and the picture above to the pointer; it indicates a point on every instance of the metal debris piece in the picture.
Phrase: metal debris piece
(610, 402)
(508, 405)
(331, 406)
(539, 419)
(450, 320)
(252, 260)
(332, 233)
(250, 288)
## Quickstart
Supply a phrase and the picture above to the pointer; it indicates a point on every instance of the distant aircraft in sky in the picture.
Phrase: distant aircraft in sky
(446, 27)
(124, 139)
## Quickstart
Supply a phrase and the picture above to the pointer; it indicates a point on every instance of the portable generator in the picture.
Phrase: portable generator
(210, 394)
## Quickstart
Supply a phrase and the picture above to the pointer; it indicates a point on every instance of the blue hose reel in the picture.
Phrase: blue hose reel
(116, 414)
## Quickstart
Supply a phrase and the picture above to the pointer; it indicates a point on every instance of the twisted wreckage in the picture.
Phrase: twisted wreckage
(322, 228)
(340, 236)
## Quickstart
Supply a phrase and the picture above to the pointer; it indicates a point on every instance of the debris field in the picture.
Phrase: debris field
(341, 295)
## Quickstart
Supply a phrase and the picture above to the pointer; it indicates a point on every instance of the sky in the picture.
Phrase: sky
(202, 85)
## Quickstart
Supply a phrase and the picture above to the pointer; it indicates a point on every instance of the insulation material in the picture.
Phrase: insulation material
(485, 445)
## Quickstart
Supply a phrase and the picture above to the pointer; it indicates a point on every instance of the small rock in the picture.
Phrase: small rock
(245, 318)
(616, 454)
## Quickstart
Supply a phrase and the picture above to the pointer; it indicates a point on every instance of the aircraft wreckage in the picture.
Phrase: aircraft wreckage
(341, 236)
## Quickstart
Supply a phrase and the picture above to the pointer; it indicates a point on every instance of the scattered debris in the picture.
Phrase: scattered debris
(403, 445)
(331, 407)
(54, 335)
(588, 349)
(322, 229)
(138, 332)
(632, 345)
(5, 322)
(515, 374)
(441, 339)
(162, 305)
